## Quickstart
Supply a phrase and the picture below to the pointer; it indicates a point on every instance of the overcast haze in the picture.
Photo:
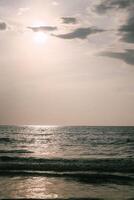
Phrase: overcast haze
(67, 62)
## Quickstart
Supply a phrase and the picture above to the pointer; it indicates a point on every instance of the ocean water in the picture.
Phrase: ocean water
(67, 162)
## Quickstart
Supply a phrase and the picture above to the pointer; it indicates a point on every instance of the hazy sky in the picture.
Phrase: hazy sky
(67, 62)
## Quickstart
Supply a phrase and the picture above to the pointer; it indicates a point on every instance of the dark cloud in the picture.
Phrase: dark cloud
(128, 30)
(112, 4)
(80, 33)
(43, 28)
(3, 26)
(127, 56)
(69, 20)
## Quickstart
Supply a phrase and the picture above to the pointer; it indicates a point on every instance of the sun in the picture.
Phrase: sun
(40, 38)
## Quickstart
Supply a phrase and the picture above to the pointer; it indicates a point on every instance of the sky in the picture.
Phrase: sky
(65, 62)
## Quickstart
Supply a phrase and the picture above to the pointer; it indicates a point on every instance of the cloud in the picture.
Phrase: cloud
(3, 26)
(127, 56)
(43, 28)
(69, 20)
(106, 5)
(128, 30)
(80, 33)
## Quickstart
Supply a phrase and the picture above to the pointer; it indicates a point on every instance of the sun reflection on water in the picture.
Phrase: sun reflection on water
(52, 188)
(28, 187)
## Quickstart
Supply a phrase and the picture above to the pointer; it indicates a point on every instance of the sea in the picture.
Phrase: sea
(67, 162)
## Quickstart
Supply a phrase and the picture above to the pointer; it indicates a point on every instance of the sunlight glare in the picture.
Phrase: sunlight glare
(40, 37)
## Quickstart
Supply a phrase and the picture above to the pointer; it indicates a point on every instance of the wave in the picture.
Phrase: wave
(15, 151)
(86, 177)
(5, 140)
(125, 165)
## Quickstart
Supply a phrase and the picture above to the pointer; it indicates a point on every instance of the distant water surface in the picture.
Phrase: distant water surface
(65, 162)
